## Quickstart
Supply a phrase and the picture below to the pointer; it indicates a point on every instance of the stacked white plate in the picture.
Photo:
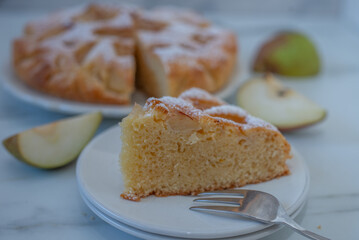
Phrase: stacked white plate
(100, 183)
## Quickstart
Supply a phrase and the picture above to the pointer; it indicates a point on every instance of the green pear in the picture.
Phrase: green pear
(288, 54)
(56, 144)
(285, 108)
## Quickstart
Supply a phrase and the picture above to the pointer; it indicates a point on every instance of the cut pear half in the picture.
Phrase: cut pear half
(56, 144)
(285, 108)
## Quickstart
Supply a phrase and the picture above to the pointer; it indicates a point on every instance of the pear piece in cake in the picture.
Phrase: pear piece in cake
(195, 143)
(56, 144)
(268, 99)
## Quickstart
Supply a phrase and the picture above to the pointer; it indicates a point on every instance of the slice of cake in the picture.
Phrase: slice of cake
(178, 49)
(195, 143)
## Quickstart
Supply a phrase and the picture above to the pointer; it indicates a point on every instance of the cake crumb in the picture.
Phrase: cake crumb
(319, 227)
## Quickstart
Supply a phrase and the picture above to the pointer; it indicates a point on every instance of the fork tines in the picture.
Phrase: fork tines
(232, 192)
(237, 199)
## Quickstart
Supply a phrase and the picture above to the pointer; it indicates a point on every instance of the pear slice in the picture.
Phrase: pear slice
(268, 99)
(56, 144)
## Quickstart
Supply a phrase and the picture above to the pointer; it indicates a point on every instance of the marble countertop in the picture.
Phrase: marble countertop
(38, 204)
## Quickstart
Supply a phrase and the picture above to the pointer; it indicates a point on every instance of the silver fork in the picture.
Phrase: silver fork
(255, 205)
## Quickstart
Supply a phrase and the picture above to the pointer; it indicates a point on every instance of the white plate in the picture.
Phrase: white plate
(151, 236)
(99, 178)
(17, 88)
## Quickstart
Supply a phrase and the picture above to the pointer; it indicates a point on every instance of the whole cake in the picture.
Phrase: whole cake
(93, 53)
(196, 143)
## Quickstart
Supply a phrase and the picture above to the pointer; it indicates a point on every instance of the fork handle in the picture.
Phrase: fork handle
(299, 229)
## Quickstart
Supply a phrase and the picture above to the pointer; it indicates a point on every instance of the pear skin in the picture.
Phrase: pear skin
(55, 144)
(290, 54)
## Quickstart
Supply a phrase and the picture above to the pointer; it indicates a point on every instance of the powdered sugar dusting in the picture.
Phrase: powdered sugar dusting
(186, 35)
(175, 53)
(74, 32)
(70, 40)
(176, 14)
(179, 40)
(253, 122)
(231, 110)
(223, 113)
(199, 94)
(104, 49)
(173, 103)
(227, 110)
(176, 102)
